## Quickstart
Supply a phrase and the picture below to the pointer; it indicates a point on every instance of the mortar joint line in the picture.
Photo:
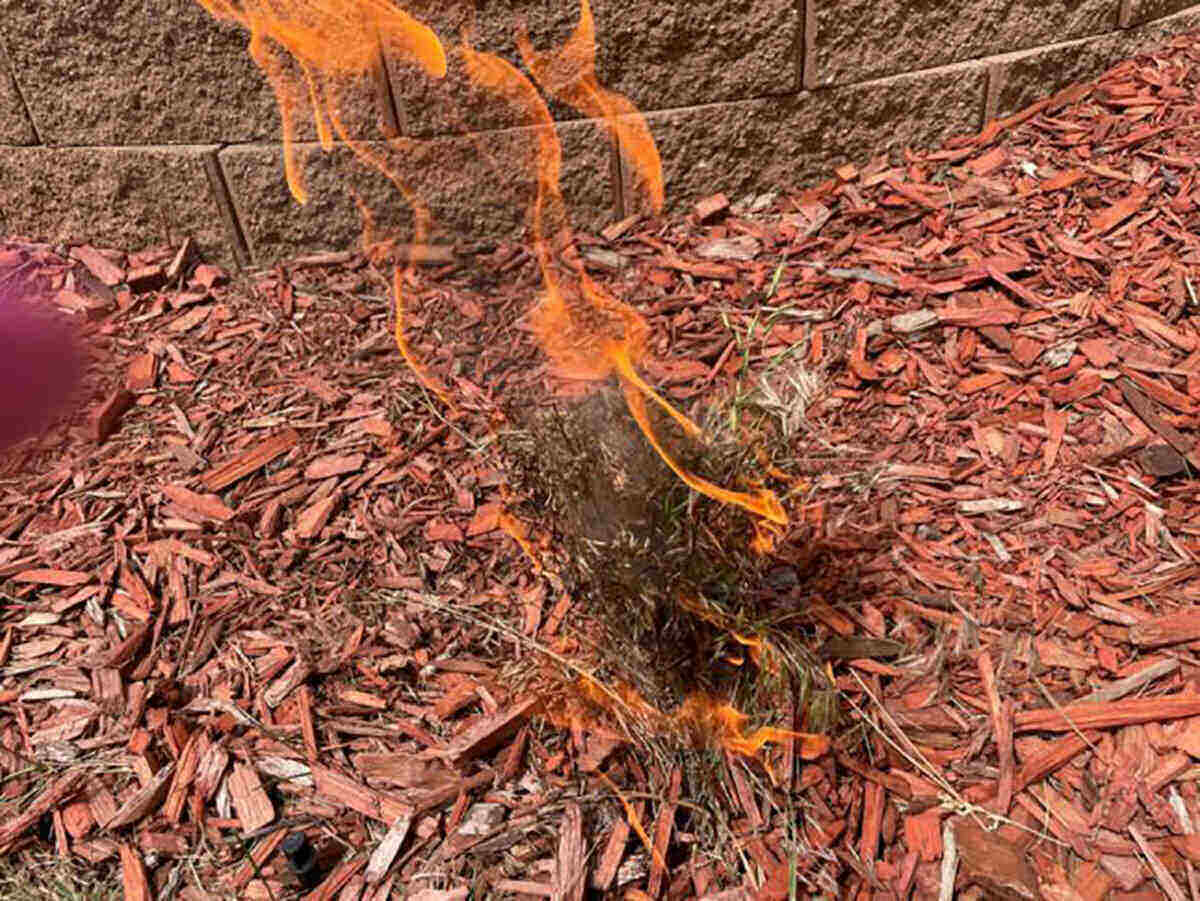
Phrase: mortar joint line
(223, 197)
(16, 83)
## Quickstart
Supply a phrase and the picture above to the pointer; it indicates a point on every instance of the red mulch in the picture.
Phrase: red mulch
(220, 585)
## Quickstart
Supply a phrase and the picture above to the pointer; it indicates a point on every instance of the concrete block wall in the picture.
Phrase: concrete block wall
(130, 123)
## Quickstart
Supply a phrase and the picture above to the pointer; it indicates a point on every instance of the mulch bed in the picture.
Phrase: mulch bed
(230, 584)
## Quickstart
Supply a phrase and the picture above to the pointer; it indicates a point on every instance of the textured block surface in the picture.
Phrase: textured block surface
(14, 123)
(472, 196)
(660, 55)
(117, 197)
(1022, 79)
(861, 39)
(1142, 11)
(125, 72)
(783, 143)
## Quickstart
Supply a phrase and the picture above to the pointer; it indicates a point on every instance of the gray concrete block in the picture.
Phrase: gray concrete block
(1143, 11)
(476, 191)
(122, 72)
(117, 197)
(1020, 79)
(861, 39)
(15, 127)
(661, 55)
(789, 143)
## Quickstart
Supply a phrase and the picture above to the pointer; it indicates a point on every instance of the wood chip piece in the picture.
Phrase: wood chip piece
(259, 856)
(489, 733)
(1166, 629)
(278, 690)
(993, 863)
(146, 278)
(990, 505)
(709, 207)
(1105, 715)
(524, 887)
(1162, 460)
(334, 465)
(918, 320)
(1145, 410)
(141, 372)
(664, 824)
(99, 265)
(242, 464)
(1129, 684)
(1162, 875)
(208, 275)
(340, 789)
(250, 800)
(383, 855)
(741, 247)
(206, 506)
(175, 267)
(210, 769)
(65, 578)
(570, 874)
(189, 761)
(315, 517)
(107, 416)
(121, 654)
(133, 874)
(1114, 215)
(143, 801)
(62, 789)
(614, 849)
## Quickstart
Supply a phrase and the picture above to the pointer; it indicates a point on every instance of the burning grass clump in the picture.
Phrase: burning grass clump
(684, 632)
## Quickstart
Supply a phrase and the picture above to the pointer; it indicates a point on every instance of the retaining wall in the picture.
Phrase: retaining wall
(131, 123)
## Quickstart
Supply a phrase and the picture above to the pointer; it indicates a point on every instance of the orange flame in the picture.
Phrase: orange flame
(759, 649)
(633, 819)
(431, 384)
(585, 331)
(701, 714)
(766, 536)
(727, 724)
(518, 532)
(570, 77)
(330, 40)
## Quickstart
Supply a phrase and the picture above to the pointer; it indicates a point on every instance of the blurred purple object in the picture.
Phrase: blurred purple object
(40, 364)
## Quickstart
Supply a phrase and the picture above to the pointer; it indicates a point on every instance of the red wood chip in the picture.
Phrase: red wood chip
(107, 417)
(99, 265)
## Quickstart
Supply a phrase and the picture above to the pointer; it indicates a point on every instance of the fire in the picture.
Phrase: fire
(330, 41)
(713, 721)
(519, 532)
(727, 725)
(587, 333)
(761, 653)
(418, 368)
(570, 76)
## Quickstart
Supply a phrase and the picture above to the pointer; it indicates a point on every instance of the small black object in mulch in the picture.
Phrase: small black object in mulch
(303, 859)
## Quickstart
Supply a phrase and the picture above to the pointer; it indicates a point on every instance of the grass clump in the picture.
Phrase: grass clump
(44, 876)
(675, 603)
